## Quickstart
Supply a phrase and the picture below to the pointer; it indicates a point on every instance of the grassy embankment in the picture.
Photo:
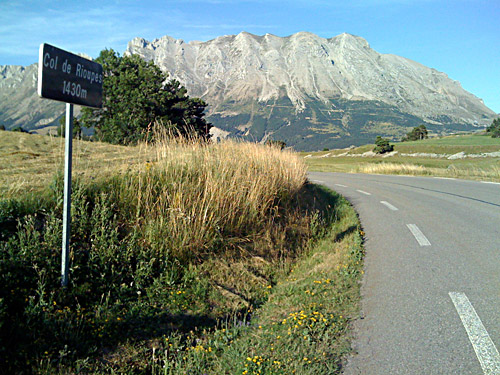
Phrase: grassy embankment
(186, 258)
(469, 168)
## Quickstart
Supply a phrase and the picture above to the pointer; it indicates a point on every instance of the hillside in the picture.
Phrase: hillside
(472, 156)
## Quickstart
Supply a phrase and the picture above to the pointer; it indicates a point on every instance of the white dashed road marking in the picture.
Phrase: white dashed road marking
(363, 192)
(485, 349)
(389, 206)
(417, 233)
(318, 181)
(340, 185)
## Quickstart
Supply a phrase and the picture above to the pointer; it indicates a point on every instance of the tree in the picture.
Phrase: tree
(494, 128)
(77, 128)
(136, 95)
(418, 133)
(382, 145)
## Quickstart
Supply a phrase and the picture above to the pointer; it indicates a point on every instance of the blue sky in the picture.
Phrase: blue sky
(458, 37)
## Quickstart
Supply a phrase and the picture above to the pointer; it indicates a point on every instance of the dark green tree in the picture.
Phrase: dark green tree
(2, 127)
(136, 95)
(77, 128)
(494, 128)
(417, 133)
(382, 145)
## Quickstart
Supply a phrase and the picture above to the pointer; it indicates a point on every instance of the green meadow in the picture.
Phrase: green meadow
(424, 164)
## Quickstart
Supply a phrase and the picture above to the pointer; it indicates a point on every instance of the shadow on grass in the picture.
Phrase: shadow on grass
(340, 236)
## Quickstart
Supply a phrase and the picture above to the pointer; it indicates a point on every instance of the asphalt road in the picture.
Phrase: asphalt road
(431, 289)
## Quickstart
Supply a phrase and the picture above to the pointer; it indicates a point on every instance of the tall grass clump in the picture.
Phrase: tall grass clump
(168, 248)
(491, 172)
(192, 196)
(393, 168)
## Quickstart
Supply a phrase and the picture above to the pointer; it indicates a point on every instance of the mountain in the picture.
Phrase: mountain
(20, 105)
(313, 92)
(308, 91)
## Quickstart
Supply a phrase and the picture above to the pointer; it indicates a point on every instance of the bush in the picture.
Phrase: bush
(382, 145)
(494, 128)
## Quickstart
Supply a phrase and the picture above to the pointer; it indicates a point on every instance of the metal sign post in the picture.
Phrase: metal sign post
(67, 194)
(72, 79)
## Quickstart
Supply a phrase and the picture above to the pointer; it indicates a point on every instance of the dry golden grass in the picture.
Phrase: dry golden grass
(29, 161)
(191, 192)
(491, 172)
(393, 168)
(188, 192)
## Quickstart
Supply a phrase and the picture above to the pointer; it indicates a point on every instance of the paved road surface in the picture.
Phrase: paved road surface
(431, 291)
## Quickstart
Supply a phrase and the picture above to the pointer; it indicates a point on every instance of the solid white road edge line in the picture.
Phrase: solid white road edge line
(484, 347)
(389, 206)
(419, 236)
(445, 178)
(340, 185)
(490, 182)
(363, 192)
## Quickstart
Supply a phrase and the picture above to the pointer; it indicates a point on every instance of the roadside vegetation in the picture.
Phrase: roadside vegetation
(186, 257)
(462, 156)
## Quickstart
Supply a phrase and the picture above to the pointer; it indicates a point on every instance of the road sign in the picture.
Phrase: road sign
(69, 78)
(72, 79)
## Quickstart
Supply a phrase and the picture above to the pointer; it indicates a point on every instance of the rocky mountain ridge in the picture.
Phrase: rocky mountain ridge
(304, 66)
(308, 91)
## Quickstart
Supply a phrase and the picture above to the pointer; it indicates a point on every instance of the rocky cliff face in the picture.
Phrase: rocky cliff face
(308, 91)
(19, 101)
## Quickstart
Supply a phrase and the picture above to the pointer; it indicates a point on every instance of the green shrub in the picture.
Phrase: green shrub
(382, 145)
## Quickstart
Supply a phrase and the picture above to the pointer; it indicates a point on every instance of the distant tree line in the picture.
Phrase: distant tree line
(136, 96)
(418, 133)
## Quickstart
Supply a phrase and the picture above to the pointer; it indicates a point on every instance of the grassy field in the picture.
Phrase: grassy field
(470, 168)
(30, 161)
(185, 258)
